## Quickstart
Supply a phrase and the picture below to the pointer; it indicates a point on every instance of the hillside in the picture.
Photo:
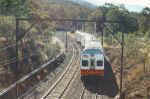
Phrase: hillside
(59, 9)
(82, 3)
(32, 46)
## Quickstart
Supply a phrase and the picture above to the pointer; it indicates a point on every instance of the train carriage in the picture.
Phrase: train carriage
(82, 38)
(92, 60)
(92, 56)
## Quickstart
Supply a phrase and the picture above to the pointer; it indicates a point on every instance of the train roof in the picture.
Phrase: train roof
(93, 44)
(89, 40)
(86, 36)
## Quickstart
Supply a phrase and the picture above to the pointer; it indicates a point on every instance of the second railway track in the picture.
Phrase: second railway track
(57, 90)
(86, 94)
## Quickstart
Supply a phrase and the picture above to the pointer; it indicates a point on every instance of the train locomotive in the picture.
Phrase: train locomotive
(91, 62)
(91, 57)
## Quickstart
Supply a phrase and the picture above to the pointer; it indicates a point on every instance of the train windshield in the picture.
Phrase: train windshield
(85, 63)
(99, 63)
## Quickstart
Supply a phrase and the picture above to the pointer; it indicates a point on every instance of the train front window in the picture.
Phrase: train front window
(85, 63)
(99, 63)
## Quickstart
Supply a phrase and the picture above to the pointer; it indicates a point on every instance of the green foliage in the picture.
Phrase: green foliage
(7, 28)
(127, 22)
(14, 7)
(146, 11)
(124, 22)
(144, 20)
(60, 10)
(132, 46)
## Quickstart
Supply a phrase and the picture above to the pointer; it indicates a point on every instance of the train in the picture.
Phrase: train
(82, 38)
(91, 57)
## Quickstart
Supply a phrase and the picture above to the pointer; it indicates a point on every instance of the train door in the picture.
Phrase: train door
(92, 63)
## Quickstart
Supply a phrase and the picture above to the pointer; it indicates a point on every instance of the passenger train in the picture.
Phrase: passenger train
(83, 38)
(92, 55)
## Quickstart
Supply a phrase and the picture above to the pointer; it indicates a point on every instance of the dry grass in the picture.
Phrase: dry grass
(135, 80)
(135, 72)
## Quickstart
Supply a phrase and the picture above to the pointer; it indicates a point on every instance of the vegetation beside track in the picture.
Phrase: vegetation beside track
(136, 63)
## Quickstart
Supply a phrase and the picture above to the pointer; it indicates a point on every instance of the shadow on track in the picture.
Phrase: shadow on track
(106, 85)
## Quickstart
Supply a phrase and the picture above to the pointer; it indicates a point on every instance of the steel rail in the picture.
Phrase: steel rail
(33, 87)
(82, 93)
(72, 78)
(60, 79)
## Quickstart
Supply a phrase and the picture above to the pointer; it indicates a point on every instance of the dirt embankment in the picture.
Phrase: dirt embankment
(136, 81)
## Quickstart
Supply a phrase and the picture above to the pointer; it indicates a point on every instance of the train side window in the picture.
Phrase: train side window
(99, 63)
(85, 63)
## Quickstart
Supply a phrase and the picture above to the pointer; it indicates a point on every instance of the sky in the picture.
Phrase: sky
(132, 5)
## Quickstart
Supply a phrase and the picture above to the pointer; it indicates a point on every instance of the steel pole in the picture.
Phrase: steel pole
(84, 26)
(66, 41)
(95, 28)
(121, 69)
(17, 32)
(102, 37)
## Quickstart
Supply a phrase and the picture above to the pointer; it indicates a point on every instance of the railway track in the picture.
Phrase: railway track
(88, 95)
(58, 89)
(37, 91)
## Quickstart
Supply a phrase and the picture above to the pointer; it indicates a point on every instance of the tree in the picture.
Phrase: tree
(146, 11)
(125, 22)
(14, 7)
(144, 20)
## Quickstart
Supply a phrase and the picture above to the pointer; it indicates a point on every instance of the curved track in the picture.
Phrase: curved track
(105, 88)
(62, 84)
